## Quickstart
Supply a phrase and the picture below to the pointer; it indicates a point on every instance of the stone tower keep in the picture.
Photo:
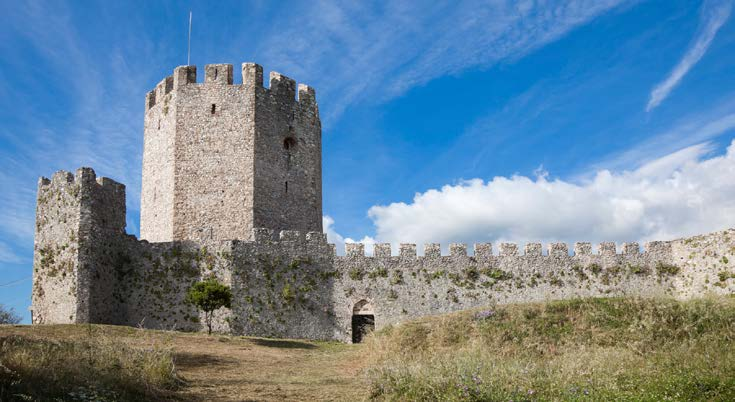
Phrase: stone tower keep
(221, 159)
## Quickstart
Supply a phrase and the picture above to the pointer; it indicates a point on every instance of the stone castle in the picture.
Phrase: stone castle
(232, 188)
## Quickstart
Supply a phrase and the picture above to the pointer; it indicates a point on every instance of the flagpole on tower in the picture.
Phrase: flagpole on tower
(188, 46)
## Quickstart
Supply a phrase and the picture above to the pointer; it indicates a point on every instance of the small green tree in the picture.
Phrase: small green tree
(209, 295)
(8, 316)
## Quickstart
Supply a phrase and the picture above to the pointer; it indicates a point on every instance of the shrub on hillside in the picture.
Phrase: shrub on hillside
(8, 316)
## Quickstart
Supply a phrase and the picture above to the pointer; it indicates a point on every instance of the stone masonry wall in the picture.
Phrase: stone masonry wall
(295, 286)
(288, 155)
(154, 279)
(86, 269)
(55, 263)
(79, 219)
(220, 158)
(157, 195)
(408, 286)
(707, 263)
(102, 224)
(213, 194)
(282, 287)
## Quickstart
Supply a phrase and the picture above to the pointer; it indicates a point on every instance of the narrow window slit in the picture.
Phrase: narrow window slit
(214, 108)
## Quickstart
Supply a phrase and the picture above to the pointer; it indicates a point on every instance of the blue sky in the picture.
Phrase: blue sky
(442, 121)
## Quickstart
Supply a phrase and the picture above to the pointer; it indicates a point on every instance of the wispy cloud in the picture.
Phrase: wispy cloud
(686, 132)
(358, 52)
(8, 256)
(100, 93)
(713, 15)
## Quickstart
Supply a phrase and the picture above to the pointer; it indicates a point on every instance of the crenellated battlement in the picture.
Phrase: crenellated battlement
(479, 250)
(485, 250)
(96, 203)
(280, 86)
(218, 74)
(264, 235)
(84, 176)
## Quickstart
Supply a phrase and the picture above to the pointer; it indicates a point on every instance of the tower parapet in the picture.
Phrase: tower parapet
(221, 158)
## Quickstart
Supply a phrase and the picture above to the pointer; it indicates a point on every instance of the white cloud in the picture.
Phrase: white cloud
(713, 15)
(339, 240)
(677, 195)
(332, 235)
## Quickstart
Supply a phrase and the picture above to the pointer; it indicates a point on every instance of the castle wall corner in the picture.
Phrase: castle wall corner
(79, 217)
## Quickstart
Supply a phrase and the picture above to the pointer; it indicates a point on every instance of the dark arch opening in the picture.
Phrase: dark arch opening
(289, 143)
(363, 320)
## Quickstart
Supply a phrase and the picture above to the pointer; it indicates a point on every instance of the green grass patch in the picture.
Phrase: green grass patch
(592, 349)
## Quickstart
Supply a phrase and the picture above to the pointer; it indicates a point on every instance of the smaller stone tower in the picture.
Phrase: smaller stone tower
(221, 159)
(80, 226)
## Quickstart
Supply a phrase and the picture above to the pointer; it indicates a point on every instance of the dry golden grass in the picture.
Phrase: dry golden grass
(134, 364)
(94, 365)
(601, 349)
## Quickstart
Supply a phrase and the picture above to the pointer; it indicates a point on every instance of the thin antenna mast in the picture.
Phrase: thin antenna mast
(188, 46)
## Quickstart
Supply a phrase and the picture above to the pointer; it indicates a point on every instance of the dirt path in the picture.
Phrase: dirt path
(254, 369)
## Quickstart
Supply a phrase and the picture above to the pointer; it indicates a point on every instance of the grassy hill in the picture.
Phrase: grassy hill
(601, 349)
(597, 349)
(109, 363)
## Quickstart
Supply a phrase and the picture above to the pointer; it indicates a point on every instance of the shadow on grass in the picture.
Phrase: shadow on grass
(282, 344)
(187, 359)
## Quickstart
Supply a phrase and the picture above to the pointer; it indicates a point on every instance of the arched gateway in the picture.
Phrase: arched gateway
(363, 320)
